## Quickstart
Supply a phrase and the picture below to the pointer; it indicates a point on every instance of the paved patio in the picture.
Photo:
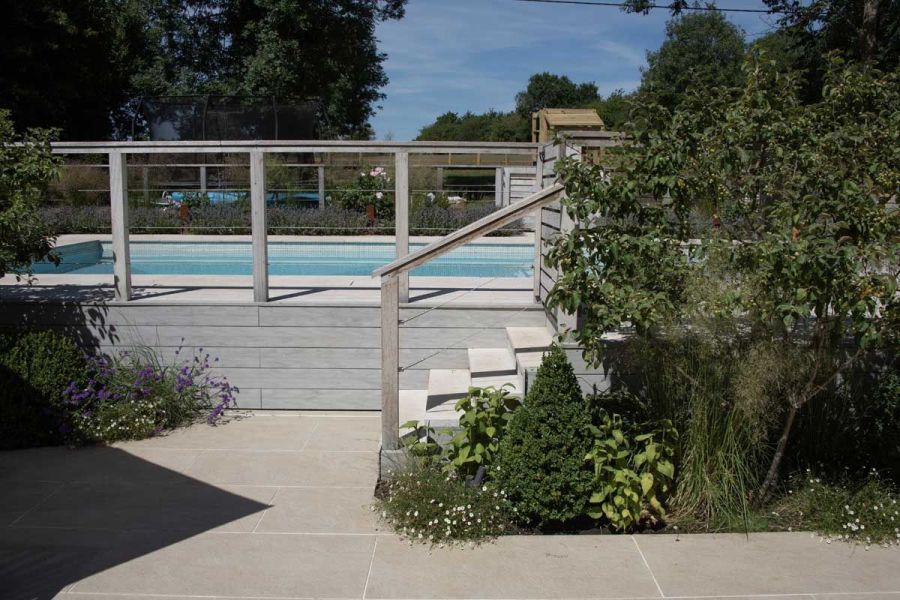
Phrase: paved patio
(279, 506)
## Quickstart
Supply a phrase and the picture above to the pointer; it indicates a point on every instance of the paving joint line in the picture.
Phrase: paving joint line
(369, 572)
(649, 570)
(263, 515)
(37, 504)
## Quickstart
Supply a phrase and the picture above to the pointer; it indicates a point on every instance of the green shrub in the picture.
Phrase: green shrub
(35, 369)
(541, 460)
(633, 471)
(866, 512)
(422, 503)
(486, 415)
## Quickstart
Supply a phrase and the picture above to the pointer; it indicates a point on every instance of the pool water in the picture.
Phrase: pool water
(289, 258)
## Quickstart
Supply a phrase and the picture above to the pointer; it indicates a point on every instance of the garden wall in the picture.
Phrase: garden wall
(283, 356)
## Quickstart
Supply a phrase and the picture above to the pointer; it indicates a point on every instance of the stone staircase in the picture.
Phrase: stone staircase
(515, 364)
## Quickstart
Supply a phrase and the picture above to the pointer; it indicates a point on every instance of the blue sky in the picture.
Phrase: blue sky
(475, 55)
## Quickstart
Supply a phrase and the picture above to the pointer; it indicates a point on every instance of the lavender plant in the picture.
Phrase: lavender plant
(233, 219)
(135, 395)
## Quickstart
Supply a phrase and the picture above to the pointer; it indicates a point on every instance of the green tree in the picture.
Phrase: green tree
(801, 238)
(614, 109)
(126, 49)
(284, 48)
(26, 167)
(867, 30)
(546, 90)
(701, 49)
(491, 126)
(65, 64)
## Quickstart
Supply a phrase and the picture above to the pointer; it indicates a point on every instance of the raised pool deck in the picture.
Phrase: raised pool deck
(279, 506)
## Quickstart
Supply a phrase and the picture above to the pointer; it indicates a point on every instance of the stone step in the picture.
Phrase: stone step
(445, 388)
(516, 381)
(491, 362)
(528, 345)
(412, 408)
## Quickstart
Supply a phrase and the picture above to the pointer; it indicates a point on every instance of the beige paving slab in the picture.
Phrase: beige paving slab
(242, 432)
(254, 565)
(308, 468)
(320, 510)
(766, 563)
(347, 435)
(89, 596)
(100, 463)
(512, 567)
(183, 506)
(871, 596)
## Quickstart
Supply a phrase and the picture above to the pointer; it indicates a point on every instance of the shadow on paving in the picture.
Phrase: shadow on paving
(82, 511)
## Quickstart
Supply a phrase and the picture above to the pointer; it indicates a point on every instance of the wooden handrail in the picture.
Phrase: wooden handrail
(478, 228)
(294, 146)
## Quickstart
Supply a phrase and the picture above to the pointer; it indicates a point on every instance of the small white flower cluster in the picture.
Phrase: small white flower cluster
(441, 510)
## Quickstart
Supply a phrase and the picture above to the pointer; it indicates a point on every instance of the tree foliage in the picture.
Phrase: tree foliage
(66, 64)
(800, 235)
(131, 48)
(26, 168)
(491, 126)
(543, 90)
(701, 49)
(546, 90)
(866, 30)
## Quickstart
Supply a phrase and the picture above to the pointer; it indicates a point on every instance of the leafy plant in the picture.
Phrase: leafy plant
(866, 513)
(425, 504)
(372, 187)
(27, 167)
(540, 460)
(486, 415)
(35, 369)
(801, 225)
(633, 472)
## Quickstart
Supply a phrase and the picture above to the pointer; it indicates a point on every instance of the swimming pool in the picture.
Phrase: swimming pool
(289, 258)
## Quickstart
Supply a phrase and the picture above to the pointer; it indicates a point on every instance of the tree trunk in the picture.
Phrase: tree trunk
(765, 491)
(869, 29)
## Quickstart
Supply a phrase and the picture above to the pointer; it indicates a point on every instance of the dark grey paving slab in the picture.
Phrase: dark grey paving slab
(187, 505)
(512, 567)
(309, 468)
(765, 564)
(95, 464)
(249, 565)
(320, 510)
(17, 499)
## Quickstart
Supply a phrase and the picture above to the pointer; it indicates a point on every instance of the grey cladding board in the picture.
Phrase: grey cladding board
(360, 358)
(227, 356)
(321, 399)
(449, 318)
(137, 314)
(319, 316)
(318, 379)
(273, 337)
(551, 219)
